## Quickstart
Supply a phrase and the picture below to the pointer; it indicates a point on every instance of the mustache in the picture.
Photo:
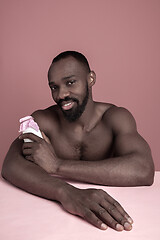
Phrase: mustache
(67, 99)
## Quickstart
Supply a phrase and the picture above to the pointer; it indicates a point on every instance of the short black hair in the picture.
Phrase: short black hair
(77, 55)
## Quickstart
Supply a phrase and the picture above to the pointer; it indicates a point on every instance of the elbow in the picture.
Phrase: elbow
(148, 179)
(147, 175)
(4, 171)
(145, 170)
(150, 172)
(7, 169)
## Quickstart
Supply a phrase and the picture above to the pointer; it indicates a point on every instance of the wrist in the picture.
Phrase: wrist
(64, 191)
(58, 164)
(53, 167)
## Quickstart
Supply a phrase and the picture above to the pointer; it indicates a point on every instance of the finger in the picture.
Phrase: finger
(45, 138)
(120, 208)
(120, 222)
(27, 145)
(122, 211)
(90, 217)
(31, 136)
(107, 218)
(27, 151)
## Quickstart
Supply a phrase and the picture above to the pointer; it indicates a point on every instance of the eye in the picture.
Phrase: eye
(71, 82)
(53, 88)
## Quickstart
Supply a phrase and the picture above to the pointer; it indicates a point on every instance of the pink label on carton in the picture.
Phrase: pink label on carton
(28, 122)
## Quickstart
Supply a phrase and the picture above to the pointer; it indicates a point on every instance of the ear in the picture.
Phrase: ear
(91, 78)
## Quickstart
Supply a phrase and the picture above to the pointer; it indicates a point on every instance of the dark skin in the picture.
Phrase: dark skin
(102, 147)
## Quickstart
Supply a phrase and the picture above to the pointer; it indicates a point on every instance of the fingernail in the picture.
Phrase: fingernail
(127, 226)
(130, 220)
(119, 227)
(104, 226)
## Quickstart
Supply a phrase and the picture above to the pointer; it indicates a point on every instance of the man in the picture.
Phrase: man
(82, 140)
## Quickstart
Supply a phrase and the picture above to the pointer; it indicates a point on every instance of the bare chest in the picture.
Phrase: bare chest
(92, 146)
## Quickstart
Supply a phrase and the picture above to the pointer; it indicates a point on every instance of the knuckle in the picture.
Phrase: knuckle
(90, 217)
(24, 151)
(97, 193)
(111, 209)
(121, 220)
(87, 215)
(98, 221)
(100, 191)
(23, 146)
(94, 194)
(116, 204)
(102, 212)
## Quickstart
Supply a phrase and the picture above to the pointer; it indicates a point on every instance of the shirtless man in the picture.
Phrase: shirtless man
(83, 140)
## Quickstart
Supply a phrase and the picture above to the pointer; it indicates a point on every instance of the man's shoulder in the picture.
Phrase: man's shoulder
(119, 118)
(46, 118)
(114, 111)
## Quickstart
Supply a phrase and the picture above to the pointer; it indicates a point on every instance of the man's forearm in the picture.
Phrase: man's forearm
(118, 171)
(86, 203)
(29, 176)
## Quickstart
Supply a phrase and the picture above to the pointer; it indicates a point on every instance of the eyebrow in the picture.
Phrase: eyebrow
(64, 78)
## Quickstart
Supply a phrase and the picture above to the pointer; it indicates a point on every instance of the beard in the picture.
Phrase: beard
(73, 114)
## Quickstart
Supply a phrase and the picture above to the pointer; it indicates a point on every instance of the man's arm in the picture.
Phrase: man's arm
(95, 206)
(132, 164)
(127, 170)
(29, 176)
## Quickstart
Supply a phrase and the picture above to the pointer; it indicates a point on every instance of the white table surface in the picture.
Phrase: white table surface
(27, 217)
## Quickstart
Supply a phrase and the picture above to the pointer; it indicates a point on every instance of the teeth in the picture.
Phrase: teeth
(67, 104)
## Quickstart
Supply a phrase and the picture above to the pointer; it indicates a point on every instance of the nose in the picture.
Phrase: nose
(63, 93)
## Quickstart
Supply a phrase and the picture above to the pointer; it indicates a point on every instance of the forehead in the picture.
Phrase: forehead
(66, 67)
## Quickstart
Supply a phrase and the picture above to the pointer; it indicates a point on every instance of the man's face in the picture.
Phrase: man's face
(68, 83)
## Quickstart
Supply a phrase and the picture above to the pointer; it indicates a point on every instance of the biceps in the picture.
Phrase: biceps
(130, 143)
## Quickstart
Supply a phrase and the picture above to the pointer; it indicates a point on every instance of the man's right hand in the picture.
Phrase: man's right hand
(97, 207)
(40, 151)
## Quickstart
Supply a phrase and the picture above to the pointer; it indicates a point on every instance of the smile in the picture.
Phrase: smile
(67, 105)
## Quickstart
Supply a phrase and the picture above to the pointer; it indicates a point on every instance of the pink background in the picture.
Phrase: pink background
(120, 38)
